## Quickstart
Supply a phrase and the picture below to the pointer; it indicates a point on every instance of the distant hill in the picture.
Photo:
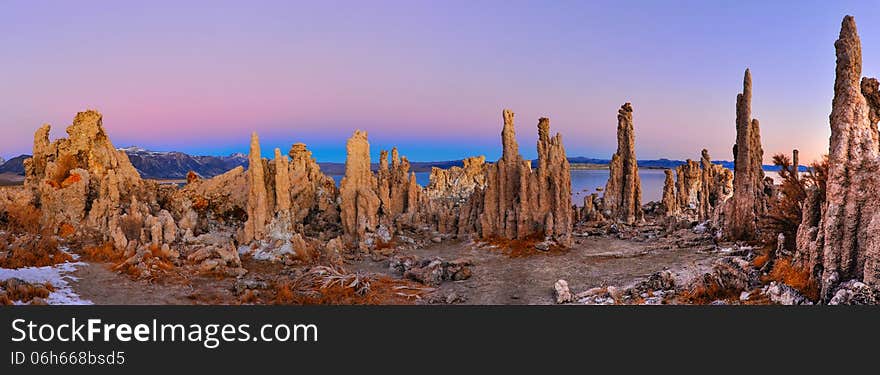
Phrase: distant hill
(175, 165)
(14, 165)
(666, 163)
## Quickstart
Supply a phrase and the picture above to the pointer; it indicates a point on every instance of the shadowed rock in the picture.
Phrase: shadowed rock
(748, 203)
(258, 205)
(669, 204)
(838, 236)
(623, 192)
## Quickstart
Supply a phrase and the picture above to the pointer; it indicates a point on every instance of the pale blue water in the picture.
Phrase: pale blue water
(584, 182)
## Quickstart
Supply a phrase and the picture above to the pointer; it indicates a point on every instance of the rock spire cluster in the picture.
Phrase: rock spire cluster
(749, 201)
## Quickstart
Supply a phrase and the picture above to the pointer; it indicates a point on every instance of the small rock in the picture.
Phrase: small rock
(563, 293)
(542, 246)
(436, 239)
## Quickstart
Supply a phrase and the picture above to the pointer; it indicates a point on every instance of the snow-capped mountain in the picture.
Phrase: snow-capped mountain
(174, 165)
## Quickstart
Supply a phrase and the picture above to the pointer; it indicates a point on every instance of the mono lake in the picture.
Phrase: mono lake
(585, 182)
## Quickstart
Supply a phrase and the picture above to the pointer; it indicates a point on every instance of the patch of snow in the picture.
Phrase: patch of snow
(58, 275)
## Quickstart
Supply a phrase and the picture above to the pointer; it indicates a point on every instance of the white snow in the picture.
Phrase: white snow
(58, 275)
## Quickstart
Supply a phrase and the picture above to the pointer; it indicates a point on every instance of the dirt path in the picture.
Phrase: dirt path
(97, 283)
(498, 279)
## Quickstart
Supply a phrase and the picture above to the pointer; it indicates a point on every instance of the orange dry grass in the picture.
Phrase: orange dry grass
(105, 252)
(522, 248)
(18, 290)
(248, 297)
(154, 259)
(22, 218)
(761, 259)
(38, 251)
(66, 230)
(797, 277)
(283, 293)
(384, 290)
(706, 291)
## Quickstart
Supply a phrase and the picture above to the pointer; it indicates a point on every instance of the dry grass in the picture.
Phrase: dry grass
(785, 207)
(157, 264)
(707, 291)
(323, 285)
(795, 276)
(105, 252)
(249, 297)
(22, 218)
(32, 251)
(762, 258)
(19, 290)
(521, 248)
(66, 230)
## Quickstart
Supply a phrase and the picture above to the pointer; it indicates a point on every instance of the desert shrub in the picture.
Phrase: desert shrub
(105, 252)
(706, 290)
(22, 218)
(19, 290)
(33, 251)
(784, 212)
(66, 230)
(762, 258)
(817, 176)
(796, 276)
(323, 285)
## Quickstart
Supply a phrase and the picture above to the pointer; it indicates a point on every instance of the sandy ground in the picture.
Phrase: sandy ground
(497, 278)
(98, 283)
(500, 280)
(11, 179)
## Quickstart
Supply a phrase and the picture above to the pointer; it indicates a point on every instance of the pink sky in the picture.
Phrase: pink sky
(429, 78)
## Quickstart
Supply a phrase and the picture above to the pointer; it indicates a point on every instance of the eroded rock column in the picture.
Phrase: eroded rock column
(748, 201)
(623, 192)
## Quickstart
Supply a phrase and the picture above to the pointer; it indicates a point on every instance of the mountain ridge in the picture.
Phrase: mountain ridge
(169, 165)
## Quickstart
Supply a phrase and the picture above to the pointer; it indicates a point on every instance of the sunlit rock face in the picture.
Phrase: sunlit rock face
(519, 202)
(838, 237)
(358, 201)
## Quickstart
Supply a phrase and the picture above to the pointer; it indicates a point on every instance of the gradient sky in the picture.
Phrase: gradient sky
(430, 77)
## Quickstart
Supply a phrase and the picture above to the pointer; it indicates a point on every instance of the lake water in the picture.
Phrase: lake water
(585, 182)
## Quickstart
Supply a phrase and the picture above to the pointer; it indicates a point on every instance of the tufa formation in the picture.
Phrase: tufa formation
(837, 238)
(623, 192)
